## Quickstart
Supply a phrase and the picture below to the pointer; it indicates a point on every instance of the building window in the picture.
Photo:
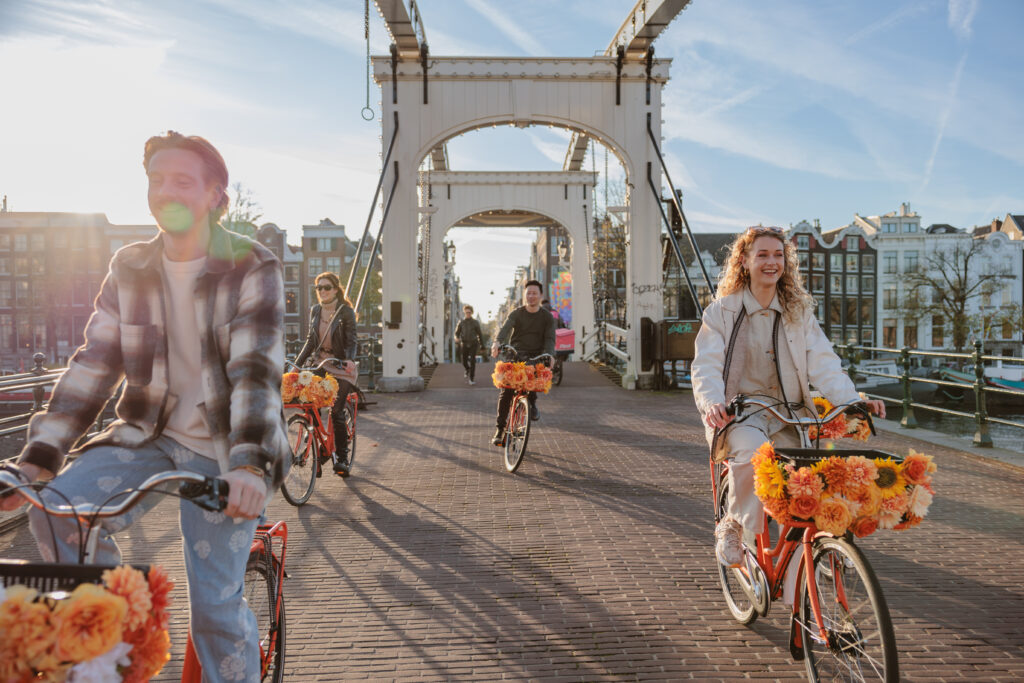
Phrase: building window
(852, 243)
(867, 336)
(867, 284)
(291, 301)
(818, 261)
(291, 331)
(5, 266)
(22, 292)
(909, 261)
(5, 293)
(1006, 330)
(291, 273)
(867, 262)
(910, 227)
(817, 283)
(38, 242)
(21, 242)
(889, 298)
(851, 312)
(803, 241)
(316, 266)
(802, 259)
(324, 244)
(38, 265)
(820, 312)
(851, 284)
(938, 331)
(5, 242)
(21, 265)
(835, 311)
(334, 264)
(910, 336)
(867, 312)
(6, 332)
(60, 240)
(890, 227)
(836, 262)
(851, 263)
(80, 294)
(836, 283)
(889, 332)
(889, 262)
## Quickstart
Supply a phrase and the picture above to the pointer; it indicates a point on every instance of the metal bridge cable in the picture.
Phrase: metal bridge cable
(373, 207)
(679, 208)
(376, 244)
(672, 240)
(367, 112)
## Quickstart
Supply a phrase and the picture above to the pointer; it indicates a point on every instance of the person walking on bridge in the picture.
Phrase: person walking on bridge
(468, 333)
(530, 330)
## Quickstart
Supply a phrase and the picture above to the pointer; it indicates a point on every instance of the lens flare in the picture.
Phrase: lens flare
(175, 217)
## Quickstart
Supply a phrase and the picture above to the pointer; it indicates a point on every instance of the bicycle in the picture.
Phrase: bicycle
(517, 425)
(840, 624)
(264, 574)
(312, 441)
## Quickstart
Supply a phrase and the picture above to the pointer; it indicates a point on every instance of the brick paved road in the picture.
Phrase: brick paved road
(594, 561)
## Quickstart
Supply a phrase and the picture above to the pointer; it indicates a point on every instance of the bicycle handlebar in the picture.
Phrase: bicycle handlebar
(510, 352)
(320, 365)
(740, 401)
(206, 492)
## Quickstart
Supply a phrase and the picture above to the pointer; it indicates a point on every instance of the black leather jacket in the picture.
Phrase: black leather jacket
(342, 331)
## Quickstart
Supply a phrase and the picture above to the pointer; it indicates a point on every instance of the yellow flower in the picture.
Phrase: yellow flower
(890, 480)
(28, 634)
(822, 405)
(88, 623)
(768, 480)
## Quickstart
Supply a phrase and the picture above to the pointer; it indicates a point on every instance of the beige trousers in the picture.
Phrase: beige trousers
(742, 440)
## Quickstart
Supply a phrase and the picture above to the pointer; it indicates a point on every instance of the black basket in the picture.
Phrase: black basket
(47, 577)
(805, 457)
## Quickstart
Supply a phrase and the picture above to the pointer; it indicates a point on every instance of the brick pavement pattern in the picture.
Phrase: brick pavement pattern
(594, 561)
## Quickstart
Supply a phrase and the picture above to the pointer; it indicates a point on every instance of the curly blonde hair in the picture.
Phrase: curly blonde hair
(791, 292)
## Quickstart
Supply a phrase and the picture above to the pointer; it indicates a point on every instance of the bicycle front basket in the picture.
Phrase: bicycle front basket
(806, 457)
(47, 577)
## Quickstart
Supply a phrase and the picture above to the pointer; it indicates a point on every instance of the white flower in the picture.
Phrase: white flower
(889, 520)
(920, 499)
(305, 377)
(102, 669)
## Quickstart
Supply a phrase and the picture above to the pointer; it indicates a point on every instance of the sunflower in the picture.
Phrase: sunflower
(768, 480)
(822, 405)
(890, 480)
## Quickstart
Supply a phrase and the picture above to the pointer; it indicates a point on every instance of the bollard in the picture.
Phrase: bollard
(908, 419)
(37, 391)
(981, 436)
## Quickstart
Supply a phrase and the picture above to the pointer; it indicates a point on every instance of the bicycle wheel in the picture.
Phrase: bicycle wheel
(298, 485)
(745, 589)
(861, 644)
(261, 590)
(556, 373)
(351, 410)
(518, 433)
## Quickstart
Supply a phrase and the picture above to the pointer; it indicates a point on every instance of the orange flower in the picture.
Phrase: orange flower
(88, 623)
(778, 508)
(833, 469)
(917, 468)
(160, 586)
(131, 585)
(910, 522)
(152, 649)
(859, 430)
(864, 526)
(868, 498)
(834, 516)
(804, 507)
(28, 634)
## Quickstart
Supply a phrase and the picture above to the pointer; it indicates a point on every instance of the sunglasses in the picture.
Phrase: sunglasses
(764, 230)
(325, 288)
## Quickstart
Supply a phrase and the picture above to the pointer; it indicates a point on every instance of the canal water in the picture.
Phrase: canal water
(1010, 438)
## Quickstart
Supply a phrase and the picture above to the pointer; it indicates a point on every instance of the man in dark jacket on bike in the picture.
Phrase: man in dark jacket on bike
(531, 331)
(468, 333)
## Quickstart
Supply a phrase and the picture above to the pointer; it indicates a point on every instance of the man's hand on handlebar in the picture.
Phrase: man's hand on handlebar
(717, 417)
(246, 494)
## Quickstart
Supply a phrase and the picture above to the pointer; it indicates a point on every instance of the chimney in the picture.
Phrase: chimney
(817, 223)
(905, 209)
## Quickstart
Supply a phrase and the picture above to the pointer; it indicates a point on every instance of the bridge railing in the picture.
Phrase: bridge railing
(607, 344)
(979, 387)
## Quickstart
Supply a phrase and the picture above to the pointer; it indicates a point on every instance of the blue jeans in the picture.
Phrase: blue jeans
(216, 547)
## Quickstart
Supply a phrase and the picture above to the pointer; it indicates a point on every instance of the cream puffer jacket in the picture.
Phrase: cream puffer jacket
(715, 369)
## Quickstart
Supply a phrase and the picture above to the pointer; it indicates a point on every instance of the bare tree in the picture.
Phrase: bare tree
(949, 280)
(243, 211)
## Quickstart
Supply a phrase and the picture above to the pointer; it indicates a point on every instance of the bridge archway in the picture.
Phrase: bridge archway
(565, 198)
(610, 100)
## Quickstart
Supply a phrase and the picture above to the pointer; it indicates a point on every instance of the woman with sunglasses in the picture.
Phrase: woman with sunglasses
(332, 334)
(759, 337)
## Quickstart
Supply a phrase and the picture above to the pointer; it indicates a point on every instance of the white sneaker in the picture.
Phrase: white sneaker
(472, 382)
(729, 542)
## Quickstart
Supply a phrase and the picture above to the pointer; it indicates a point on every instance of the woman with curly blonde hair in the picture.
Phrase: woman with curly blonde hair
(759, 337)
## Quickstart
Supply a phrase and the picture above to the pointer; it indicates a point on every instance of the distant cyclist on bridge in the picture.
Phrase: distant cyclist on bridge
(468, 334)
(531, 331)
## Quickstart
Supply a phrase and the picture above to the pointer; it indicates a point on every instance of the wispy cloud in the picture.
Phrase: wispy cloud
(509, 28)
(951, 100)
(886, 23)
(961, 17)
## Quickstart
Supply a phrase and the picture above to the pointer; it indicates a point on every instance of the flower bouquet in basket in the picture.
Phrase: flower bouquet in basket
(840, 493)
(112, 631)
(841, 427)
(522, 377)
(306, 387)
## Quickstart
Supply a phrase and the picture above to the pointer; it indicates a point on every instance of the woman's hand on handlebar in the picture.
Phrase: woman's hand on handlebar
(876, 406)
(717, 417)
(246, 494)
(12, 501)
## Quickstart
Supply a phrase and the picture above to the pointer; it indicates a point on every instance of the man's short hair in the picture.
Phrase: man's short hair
(534, 282)
(214, 168)
(467, 307)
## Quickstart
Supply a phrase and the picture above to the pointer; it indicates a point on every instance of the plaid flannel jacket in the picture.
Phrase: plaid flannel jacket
(239, 305)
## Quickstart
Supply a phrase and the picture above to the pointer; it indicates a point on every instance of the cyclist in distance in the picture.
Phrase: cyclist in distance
(332, 334)
(470, 339)
(193, 322)
(759, 337)
(530, 330)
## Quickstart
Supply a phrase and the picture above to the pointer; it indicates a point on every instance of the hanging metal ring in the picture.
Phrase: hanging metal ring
(367, 114)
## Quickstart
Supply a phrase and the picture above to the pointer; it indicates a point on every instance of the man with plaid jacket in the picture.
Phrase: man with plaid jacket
(193, 322)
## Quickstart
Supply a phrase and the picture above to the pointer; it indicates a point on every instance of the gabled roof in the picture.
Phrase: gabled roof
(942, 229)
(715, 243)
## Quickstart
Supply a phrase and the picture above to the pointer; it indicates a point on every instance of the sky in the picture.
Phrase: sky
(774, 112)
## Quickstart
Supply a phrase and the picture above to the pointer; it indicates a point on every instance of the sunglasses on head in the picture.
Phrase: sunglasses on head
(325, 288)
(764, 230)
